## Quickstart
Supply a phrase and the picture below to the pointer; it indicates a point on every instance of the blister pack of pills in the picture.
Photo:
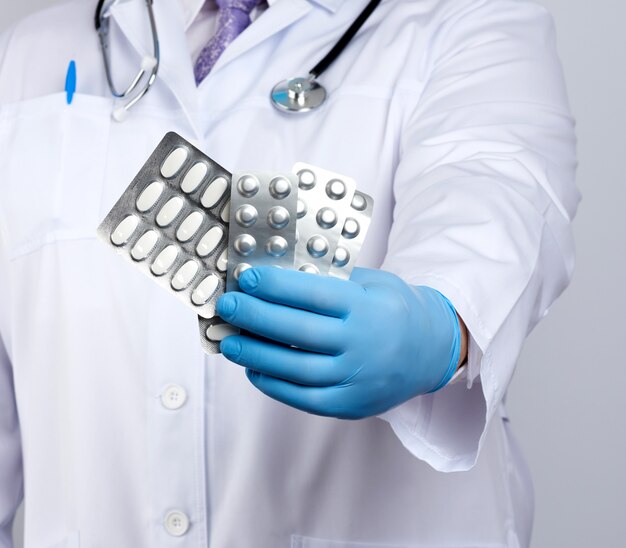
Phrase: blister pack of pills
(331, 222)
(262, 222)
(324, 199)
(353, 235)
(171, 223)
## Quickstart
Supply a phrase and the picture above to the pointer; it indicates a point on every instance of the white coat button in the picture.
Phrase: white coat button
(176, 523)
(173, 397)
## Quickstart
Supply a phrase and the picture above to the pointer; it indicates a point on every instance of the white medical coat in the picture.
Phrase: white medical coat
(451, 113)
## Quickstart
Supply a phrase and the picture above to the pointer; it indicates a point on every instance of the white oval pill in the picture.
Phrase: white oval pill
(174, 161)
(220, 331)
(169, 211)
(205, 290)
(124, 230)
(144, 245)
(184, 275)
(164, 260)
(194, 177)
(214, 192)
(149, 196)
(209, 241)
(222, 261)
(189, 226)
(225, 214)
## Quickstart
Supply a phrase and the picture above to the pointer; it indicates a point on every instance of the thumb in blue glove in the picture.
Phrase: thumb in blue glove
(342, 348)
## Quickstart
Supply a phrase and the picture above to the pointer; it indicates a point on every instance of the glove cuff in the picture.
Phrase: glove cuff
(455, 349)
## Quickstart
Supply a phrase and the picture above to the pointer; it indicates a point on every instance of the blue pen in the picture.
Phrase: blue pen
(70, 82)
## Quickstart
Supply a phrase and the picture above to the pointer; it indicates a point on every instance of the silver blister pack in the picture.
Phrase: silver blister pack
(353, 235)
(171, 223)
(324, 199)
(212, 331)
(263, 207)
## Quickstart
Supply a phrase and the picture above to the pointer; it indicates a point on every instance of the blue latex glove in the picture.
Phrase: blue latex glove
(362, 346)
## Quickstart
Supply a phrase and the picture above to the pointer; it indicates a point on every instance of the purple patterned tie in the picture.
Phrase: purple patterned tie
(234, 17)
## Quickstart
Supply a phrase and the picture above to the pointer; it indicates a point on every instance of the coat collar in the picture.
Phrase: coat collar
(176, 69)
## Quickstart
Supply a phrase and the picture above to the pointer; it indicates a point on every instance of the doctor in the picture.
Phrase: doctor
(117, 430)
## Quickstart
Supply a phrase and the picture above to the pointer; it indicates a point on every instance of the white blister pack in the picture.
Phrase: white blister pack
(353, 235)
(324, 199)
(171, 223)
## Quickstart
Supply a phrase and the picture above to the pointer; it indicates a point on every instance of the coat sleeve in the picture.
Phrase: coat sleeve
(484, 195)
(11, 477)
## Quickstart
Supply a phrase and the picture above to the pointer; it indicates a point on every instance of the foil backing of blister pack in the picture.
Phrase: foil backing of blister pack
(324, 199)
(263, 209)
(171, 223)
(353, 235)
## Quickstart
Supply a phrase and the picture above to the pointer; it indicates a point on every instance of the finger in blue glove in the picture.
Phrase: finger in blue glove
(343, 348)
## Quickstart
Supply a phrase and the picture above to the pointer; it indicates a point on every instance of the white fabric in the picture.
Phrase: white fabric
(451, 113)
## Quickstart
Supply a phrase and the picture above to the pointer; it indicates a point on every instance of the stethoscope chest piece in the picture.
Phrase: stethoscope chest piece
(297, 95)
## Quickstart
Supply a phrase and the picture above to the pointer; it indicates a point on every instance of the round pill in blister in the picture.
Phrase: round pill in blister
(174, 161)
(189, 226)
(222, 261)
(149, 196)
(205, 289)
(336, 189)
(306, 179)
(326, 217)
(209, 241)
(246, 215)
(359, 202)
(248, 185)
(194, 177)
(169, 211)
(276, 246)
(218, 332)
(184, 275)
(278, 217)
(310, 268)
(214, 192)
(317, 246)
(144, 245)
(241, 267)
(225, 214)
(124, 230)
(342, 257)
(164, 260)
(351, 228)
(280, 187)
(244, 244)
(301, 211)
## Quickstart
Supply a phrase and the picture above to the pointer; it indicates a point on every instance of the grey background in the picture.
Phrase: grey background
(566, 402)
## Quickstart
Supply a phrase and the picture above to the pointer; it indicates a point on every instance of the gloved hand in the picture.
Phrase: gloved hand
(362, 346)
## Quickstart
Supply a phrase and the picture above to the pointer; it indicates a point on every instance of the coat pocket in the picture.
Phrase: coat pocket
(52, 169)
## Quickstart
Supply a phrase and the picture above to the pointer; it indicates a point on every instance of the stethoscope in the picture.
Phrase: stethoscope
(293, 95)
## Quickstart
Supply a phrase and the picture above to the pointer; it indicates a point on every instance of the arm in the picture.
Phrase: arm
(485, 197)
